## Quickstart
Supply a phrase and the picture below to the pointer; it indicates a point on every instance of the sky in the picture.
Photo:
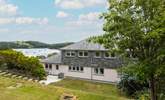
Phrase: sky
(50, 21)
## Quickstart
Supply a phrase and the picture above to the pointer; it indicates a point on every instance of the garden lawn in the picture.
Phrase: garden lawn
(18, 89)
(104, 89)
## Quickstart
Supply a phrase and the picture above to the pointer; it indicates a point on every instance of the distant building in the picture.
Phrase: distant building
(86, 61)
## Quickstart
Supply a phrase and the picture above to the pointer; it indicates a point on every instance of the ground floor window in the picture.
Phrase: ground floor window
(76, 68)
(99, 71)
(48, 66)
(57, 67)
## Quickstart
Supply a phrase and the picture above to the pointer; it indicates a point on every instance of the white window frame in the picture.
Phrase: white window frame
(83, 54)
(109, 55)
(70, 53)
(99, 71)
(76, 70)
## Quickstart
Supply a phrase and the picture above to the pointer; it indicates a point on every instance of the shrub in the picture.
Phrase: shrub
(16, 60)
(130, 86)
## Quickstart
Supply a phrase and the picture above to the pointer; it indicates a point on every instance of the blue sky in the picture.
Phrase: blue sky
(50, 21)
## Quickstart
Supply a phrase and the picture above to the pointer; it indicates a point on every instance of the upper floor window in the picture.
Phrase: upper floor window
(97, 54)
(83, 54)
(70, 53)
(109, 55)
(99, 71)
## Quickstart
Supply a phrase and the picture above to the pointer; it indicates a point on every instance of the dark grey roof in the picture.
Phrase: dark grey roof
(55, 59)
(84, 45)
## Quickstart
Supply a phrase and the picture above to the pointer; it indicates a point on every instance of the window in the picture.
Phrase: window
(81, 69)
(76, 69)
(70, 68)
(50, 66)
(80, 54)
(46, 66)
(57, 67)
(70, 53)
(112, 54)
(97, 54)
(83, 54)
(99, 71)
(108, 55)
(96, 71)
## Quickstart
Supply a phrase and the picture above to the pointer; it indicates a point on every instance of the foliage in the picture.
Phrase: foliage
(16, 60)
(130, 86)
(136, 28)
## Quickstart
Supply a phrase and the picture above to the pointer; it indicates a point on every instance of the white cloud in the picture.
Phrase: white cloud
(94, 16)
(77, 4)
(23, 20)
(62, 14)
(7, 9)
(5, 30)
(87, 19)
(6, 21)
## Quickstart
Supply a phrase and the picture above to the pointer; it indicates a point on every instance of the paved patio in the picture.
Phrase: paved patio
(50, 79)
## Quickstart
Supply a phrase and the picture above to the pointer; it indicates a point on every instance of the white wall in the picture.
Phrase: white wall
(110, 75)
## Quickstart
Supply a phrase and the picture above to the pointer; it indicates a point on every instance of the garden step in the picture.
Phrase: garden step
(13, 76)
(25, 78)
(3, 73)
(30, 79)
(20, 77)
(9, 74)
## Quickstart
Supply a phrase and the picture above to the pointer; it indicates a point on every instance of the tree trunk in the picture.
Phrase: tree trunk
(153, 89)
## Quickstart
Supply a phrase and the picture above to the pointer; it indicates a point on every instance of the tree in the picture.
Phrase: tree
(136, 27)
(17, 61)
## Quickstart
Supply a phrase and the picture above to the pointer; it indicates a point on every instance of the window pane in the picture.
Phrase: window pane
(96, 70)
(68, 53)
(50, 66)
(82, 69)
(80, 53)
(107, 54)
(101, 71)
(70, 68)
(74, 68)
(97, 54)
(46, 66)
(77, 68)
(112, 54)
(72, 54)
(85, 53)
(57, 67)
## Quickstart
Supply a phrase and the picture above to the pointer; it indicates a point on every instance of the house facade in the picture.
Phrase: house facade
(84, 60)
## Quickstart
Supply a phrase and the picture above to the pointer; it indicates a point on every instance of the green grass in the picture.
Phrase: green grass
(107, 90)
(34, 91)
